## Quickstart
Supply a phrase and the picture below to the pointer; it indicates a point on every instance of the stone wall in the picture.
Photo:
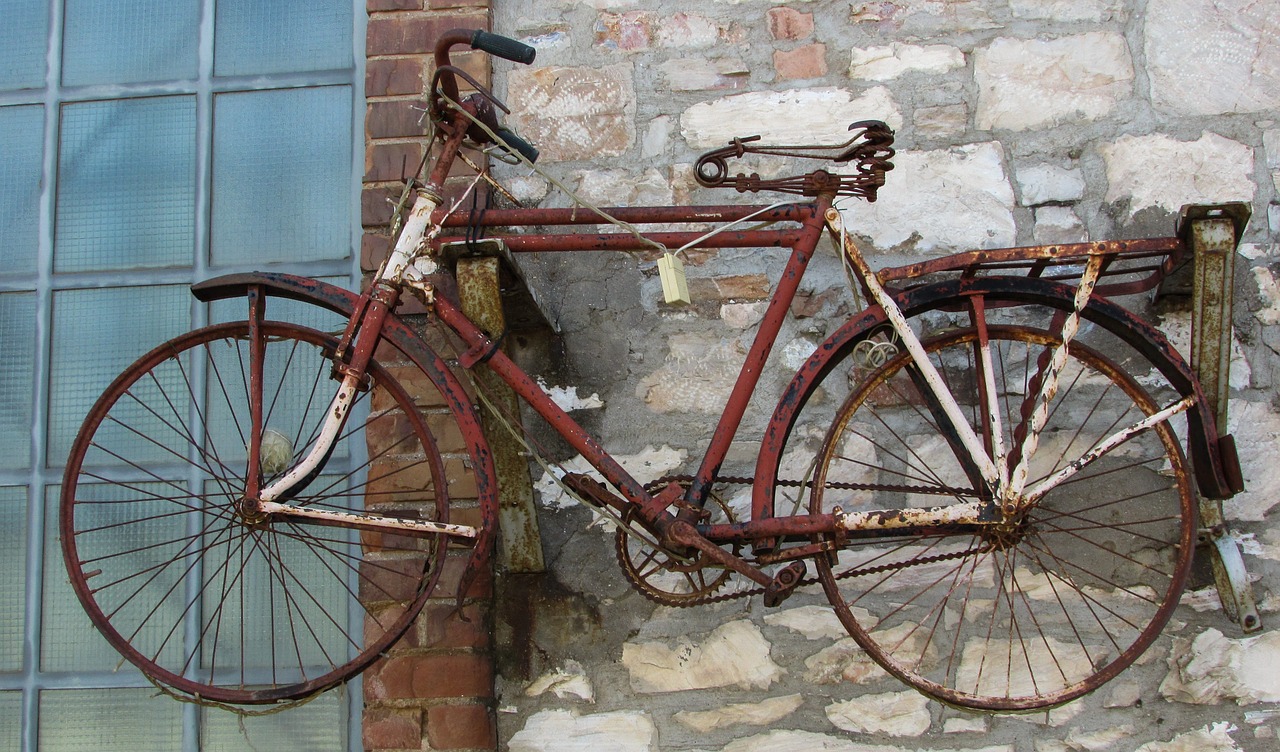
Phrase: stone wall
(1018, 122)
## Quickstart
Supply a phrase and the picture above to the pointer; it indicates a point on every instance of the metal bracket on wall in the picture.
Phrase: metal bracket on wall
(1212, 233)
(495, 295)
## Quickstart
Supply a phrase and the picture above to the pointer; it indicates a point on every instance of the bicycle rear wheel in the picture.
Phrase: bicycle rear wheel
(214, 604)
(1029, 614)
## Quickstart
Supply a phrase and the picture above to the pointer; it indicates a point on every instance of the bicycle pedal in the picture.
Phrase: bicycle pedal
(784, 584)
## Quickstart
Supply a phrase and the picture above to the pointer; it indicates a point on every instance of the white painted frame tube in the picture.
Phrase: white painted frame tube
(334, 419)
(413, 240)
(365, 521)
(968, 437)
(1049, 385)
(1104, 446)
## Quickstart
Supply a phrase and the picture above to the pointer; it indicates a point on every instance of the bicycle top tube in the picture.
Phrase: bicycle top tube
(786, 237)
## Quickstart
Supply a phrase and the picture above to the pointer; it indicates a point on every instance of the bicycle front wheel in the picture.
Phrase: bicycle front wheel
(207, 600)
(1028, 614)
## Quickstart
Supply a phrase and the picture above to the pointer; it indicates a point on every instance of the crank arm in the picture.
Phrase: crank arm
(683, 534)
(375, 522)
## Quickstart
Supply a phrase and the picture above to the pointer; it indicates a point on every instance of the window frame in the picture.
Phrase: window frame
(44, 471)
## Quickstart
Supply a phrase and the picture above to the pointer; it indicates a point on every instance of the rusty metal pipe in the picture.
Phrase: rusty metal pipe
(630, 214)
(620, 241)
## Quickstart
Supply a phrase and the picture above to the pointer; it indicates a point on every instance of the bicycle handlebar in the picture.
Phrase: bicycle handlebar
(494, 44)
(526, 149)
(503, 47)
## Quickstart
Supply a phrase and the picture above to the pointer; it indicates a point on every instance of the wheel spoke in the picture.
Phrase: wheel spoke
(1032, 609)
(183, 578)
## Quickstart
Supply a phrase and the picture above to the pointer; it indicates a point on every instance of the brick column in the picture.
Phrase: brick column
(434, 689)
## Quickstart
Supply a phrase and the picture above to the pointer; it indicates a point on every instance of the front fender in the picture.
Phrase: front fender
(1149, 342)
(399, 334)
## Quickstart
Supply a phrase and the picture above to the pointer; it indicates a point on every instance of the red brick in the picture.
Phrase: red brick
(394, 434)
(481, 585)
(442, 4)
(405, 34)
(399, 118)
(809, 61)
(376, 623)
(375, 541)
(391, 161)
(375, 6)
(392, 729)
(789, 23)
(394, 76)
(474, 63)
(374, 249)
(462, 479)
(462, 675)
(432, 676)
(377, 205)
(441, 625)
(421, 389)
(461, 727)
(388, 580)
(395, 483)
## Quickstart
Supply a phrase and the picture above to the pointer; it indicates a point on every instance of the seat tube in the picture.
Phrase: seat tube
(753, 367)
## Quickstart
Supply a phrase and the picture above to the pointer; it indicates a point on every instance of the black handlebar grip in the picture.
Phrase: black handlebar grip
(526, 149)
(509, 49)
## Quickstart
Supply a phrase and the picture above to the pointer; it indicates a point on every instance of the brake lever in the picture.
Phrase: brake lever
(435, 104)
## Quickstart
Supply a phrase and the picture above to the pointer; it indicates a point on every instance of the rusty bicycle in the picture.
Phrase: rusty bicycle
(997, 504)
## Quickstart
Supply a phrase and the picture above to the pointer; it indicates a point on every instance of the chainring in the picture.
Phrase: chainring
(665, 577)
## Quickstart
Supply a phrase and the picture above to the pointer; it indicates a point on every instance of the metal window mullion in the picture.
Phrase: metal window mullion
(191, 718)
(38, 451)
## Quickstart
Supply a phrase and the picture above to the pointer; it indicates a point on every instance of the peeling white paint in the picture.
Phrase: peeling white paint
(567, 399)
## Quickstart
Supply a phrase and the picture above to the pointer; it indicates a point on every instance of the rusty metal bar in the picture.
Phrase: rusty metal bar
(630, 214)
(1147, 260)
(621, 241)
(1212, 233)
(480, 293)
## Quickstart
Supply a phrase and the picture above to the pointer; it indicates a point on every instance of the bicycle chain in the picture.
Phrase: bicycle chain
(656, 596)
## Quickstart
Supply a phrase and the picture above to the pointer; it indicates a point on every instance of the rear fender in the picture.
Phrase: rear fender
(1212, 469)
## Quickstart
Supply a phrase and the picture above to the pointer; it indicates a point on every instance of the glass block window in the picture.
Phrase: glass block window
(148, 145)
(285, 151)
(13, 590)
(309, 728)
(23, 37)
(280, 37)
(22, 133)
(17, 329)
(109, 720)
(129, 42)
(126, 184)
